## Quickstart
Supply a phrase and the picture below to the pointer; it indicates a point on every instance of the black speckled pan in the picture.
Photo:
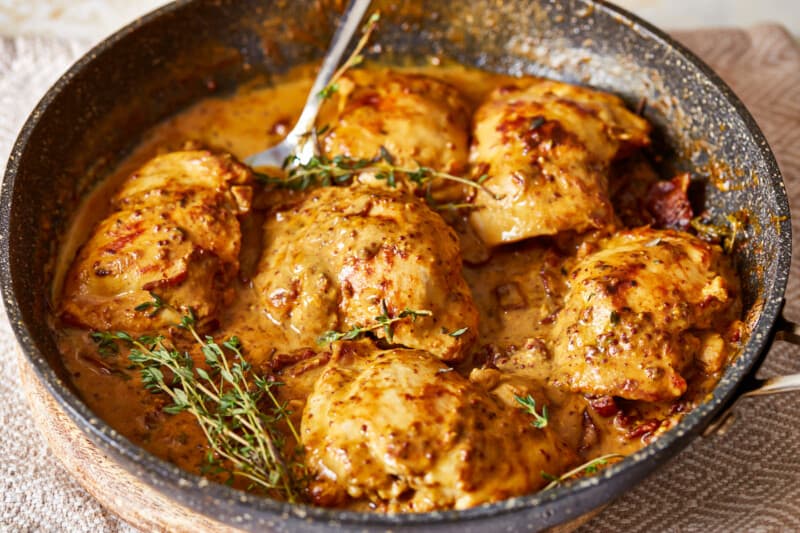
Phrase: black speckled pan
(97, 111)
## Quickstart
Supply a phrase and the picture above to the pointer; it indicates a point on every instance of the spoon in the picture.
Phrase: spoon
(301, 142)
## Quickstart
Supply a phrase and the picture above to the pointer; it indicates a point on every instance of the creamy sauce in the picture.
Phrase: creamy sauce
(516, 292)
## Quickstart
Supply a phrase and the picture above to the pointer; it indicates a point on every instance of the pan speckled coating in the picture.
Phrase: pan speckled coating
(97, 112)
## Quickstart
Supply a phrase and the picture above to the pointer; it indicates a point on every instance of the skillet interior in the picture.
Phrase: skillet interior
(190, 49)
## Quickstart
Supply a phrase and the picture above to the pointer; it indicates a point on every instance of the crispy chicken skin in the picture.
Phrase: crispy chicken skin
(639, 311)
(546, 149)
(329, 262)
(404, 431)
(174, 232)
(416, 118)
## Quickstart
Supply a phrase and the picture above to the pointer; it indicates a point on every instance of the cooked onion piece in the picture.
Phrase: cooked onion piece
(346, 255)
(174, 232)
(638, 313)
(407, 433)
(544, 151)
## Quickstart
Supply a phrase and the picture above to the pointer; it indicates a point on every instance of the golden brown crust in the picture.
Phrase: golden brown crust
(635, 311)
(419, 120)
(174, 233)
(616, 335)
(330, 262)
(404, 431)
(545, 150)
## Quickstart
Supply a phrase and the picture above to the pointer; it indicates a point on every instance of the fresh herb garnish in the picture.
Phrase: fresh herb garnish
(355, 59)
(106, 343)
(529, 405)
(329, 90)
(589, 467)
(340, 169)
(383, 321)
(727, 235)
(457, 332)
(225, 400)
(536, 122)
(154, 306)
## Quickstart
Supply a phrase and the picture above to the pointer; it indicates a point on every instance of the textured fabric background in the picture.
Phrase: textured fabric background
(748, 479)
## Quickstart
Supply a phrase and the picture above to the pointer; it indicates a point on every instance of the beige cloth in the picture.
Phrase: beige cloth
(748, 479)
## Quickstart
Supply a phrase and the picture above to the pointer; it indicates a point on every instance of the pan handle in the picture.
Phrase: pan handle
(786, 331)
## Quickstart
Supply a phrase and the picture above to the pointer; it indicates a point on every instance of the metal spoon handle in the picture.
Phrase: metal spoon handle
(777, 384)
(786, 331)
(344, 33)
(301, 142)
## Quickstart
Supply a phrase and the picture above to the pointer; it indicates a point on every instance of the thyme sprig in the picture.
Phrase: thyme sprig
(529, 406)
(726, 235)
(383, 321)
(589, 467)
(225, 401)
(340, 169)
(355, 59)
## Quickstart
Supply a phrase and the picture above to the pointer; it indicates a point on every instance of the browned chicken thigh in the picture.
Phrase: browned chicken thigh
(641, 309)
(346, 255)
(419, 120)
(174, 232)
(402, 430)
(544, 151)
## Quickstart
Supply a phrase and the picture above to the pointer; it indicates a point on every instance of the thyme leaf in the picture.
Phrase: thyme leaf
(528, 403)
(106, 343)
(383, 321)
(456, 332)
(727, 235)
(329, 90)
(154, 306)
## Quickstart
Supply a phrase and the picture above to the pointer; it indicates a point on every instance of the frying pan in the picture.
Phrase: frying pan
(101, 107)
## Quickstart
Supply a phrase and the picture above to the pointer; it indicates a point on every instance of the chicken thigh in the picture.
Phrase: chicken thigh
(405, 432)
(419, 120)
(174, 233)
(346, 255)
(544, 152)
(639, 310)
